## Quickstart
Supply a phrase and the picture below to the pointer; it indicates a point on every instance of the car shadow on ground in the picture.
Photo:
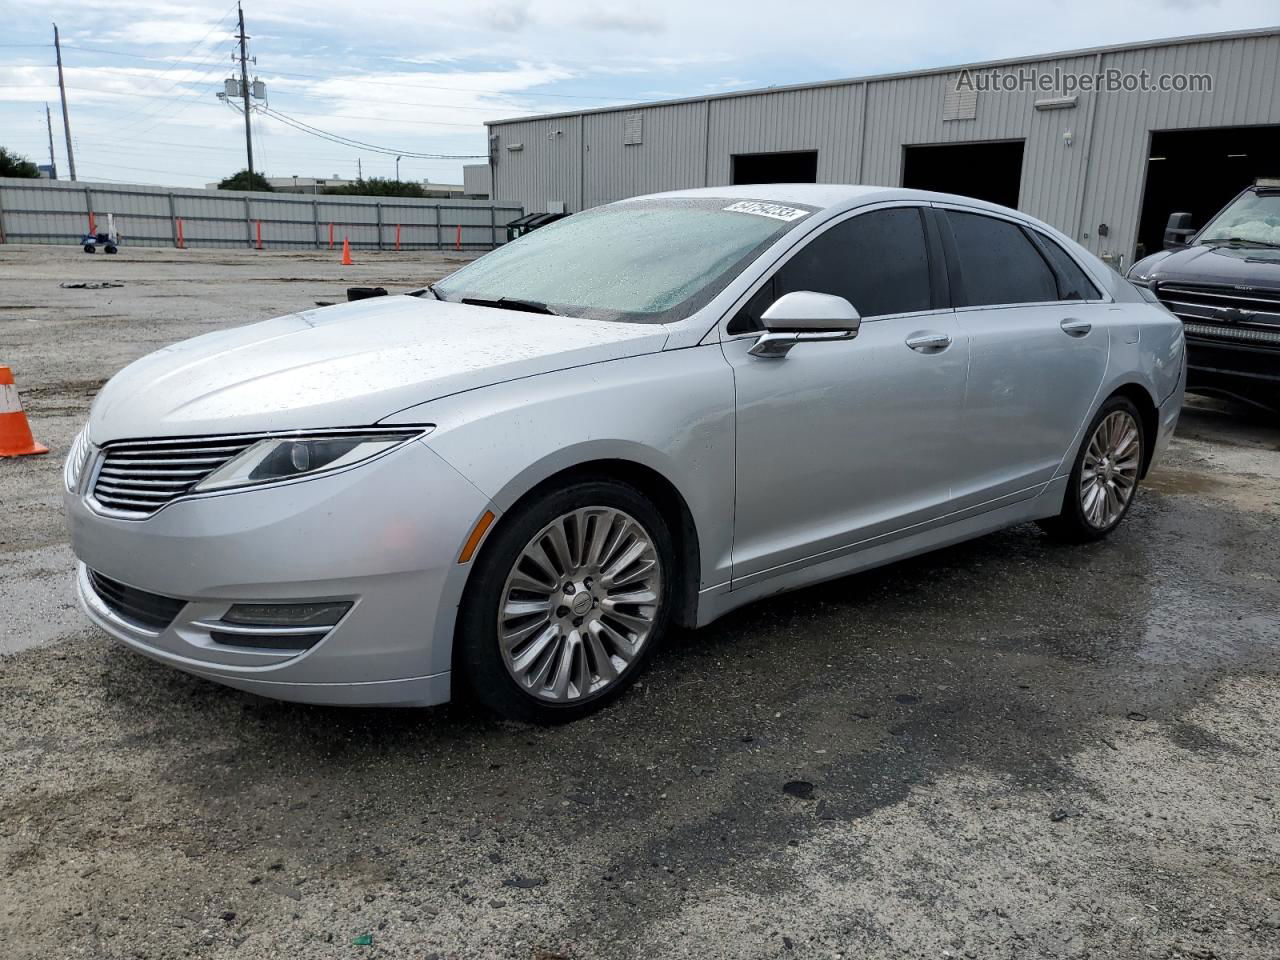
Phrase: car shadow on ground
(999, 662)
(897, 674)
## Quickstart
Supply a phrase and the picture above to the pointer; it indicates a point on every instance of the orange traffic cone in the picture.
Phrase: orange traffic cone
(15, 433)
(346, 253)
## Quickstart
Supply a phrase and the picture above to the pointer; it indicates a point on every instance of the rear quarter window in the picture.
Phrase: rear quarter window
(1073, 282)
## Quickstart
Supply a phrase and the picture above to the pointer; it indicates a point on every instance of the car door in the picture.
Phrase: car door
(1038, 349)
(841, 442)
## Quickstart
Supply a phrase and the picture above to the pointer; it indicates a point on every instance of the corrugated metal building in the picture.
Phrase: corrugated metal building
(476, 181)
(1106, 166)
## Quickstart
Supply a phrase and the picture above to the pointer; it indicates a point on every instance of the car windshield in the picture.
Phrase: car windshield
(1251, 218)
(643, 261)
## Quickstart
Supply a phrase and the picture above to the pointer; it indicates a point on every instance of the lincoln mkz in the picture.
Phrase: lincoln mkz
(519, 479)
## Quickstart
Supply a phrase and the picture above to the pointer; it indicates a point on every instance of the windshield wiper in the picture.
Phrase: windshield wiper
(511, 303)
(1244, 240)
(423, 291)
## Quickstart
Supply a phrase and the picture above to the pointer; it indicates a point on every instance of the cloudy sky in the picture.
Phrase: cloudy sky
(422, 76)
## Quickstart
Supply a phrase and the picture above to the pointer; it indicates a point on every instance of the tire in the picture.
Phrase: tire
(110, 248)
(565, 658)
(88, 248)
(1104, 479)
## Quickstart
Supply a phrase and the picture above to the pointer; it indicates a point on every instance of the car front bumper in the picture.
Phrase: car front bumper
(384, 536)
(1241, 371)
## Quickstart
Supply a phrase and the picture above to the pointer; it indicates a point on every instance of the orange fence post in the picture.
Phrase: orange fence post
(259, 234)
(397, 236)
(182, 243)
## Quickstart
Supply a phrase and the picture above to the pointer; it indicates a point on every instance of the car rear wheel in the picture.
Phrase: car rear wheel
(568, 601)
(1105, 476)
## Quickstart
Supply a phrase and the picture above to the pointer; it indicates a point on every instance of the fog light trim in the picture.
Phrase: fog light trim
(288, 615)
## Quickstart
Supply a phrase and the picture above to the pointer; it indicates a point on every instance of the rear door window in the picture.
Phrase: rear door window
(998, 263)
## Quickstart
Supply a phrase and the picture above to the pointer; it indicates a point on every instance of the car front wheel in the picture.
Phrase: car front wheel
(568, 601)
(1105, 476)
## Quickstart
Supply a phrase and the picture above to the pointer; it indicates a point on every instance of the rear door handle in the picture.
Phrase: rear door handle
(929, 342)
(1075, 328)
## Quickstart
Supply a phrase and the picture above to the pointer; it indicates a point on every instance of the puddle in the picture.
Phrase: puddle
(1166, 480)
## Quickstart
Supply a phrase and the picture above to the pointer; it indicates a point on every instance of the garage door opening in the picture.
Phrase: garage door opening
(800, 166)
(986, 171)
(1198, 171)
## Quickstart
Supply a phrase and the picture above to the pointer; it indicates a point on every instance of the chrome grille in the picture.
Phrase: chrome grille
(140, 477)
(1224, 313)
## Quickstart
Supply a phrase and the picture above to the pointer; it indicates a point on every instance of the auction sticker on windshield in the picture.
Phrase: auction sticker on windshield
(772, 210)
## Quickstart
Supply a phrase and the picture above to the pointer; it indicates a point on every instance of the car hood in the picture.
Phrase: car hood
(1250, 266)
(346, 365)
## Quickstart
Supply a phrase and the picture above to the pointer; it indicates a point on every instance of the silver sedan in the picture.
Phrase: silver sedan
(520, 479)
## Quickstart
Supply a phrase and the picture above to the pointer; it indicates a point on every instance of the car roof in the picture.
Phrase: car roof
(827, 196)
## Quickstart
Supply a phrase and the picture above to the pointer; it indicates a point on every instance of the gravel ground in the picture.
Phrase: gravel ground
(1004, 749)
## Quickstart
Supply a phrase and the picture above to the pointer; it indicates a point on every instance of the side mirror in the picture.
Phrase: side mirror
(1178, 231)
(805, 316)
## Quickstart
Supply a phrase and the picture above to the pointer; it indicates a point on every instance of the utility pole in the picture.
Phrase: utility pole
(359, 169)
(244, 89)
(66, 120)
(53, 161)
(397, 169)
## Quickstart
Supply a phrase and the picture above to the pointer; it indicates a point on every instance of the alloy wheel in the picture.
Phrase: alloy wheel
(1109, 473)
(579, 604)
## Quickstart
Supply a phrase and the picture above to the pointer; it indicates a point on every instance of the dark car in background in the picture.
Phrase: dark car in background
(1223, 282)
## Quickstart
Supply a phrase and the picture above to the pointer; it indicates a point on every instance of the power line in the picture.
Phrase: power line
(182, 99)
(173, 173)
(195, 46)
(299, 96)
(209, 59)
(347, 141)
(364, 78)
(395, 120)
(322, 98)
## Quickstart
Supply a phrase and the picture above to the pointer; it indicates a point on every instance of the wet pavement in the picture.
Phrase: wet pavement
(1008, 748)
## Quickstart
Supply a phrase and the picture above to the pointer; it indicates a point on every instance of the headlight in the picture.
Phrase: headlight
(76, 459)
(288, 458)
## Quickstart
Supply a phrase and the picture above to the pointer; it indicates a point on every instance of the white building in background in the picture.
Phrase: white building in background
(1061, 136)
(477, 181)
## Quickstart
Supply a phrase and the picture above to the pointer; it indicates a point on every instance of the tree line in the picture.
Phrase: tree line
(364, 187)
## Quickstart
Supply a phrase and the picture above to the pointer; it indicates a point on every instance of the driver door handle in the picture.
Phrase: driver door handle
(1075, 328)
(929, 342)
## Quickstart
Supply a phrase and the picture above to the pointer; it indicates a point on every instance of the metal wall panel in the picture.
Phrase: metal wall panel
(476, 181)
(44, 211)
(826, 119)
(1246, 74)
(909, 111)
(547, 167)
(860, 127)
(670, 156)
